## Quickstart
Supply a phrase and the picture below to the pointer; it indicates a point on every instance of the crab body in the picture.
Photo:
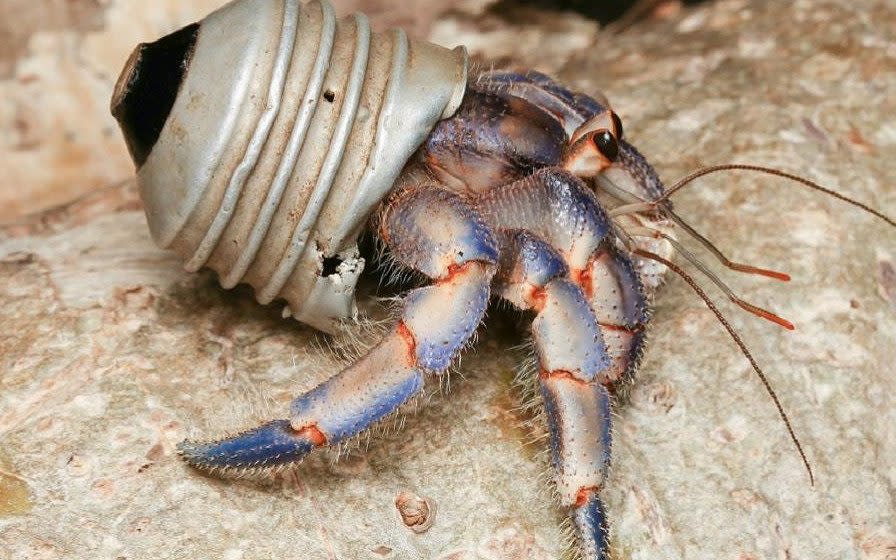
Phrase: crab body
(500, 199)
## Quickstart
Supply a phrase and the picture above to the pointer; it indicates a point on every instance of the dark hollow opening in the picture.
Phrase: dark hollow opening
(604, 11)
(330, 266)
(148, 87)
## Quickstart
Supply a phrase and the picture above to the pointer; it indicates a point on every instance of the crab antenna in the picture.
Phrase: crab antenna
(739, 267)
(745, 305)
(777, 172)
(666, 209)
(740, 343)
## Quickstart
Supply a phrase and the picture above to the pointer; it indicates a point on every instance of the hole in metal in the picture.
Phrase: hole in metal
(330, 266)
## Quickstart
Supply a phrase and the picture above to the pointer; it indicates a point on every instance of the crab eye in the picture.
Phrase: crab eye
(617, 124)
(606, 144)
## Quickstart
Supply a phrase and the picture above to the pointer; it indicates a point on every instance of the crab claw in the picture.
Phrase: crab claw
(270, 444)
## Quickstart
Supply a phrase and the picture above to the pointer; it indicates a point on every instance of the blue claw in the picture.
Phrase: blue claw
(274, 443)
(591, 525)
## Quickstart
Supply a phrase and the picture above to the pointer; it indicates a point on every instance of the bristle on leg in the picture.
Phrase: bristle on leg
(590, 522)
(435, 232)
(271, 444)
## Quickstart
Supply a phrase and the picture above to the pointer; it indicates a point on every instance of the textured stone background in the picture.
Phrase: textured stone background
(109, 354)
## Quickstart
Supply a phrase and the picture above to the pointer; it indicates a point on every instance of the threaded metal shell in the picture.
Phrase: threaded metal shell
(289, 127)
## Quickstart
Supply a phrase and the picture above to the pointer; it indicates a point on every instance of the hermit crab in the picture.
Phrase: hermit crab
(271, 135)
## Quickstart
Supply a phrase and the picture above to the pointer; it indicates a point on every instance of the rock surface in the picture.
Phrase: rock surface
(109, 354)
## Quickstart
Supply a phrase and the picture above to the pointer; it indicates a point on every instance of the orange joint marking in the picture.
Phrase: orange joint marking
(537, 298)
(584, 495)
(410, 341)
(612, 327)
(583, 278)
(562, 374)
(454, 269)
(313, 434)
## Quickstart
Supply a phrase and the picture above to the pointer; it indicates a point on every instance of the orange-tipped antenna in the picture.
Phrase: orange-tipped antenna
(740, 343)
(666, 209)
(745, 305)
(778, 173)
(764, 313)
(739, 267)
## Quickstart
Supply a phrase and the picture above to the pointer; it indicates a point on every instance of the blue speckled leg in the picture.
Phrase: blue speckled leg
(560, 209)
(590, 520)
(615, 293)
(555, 206)
(571, 354)
(437, 233)
(565, 331)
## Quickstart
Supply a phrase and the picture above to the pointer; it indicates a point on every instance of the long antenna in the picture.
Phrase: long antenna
(740, 343)
(778, 173)
(733, 265)
(692, 258)
(665, 208)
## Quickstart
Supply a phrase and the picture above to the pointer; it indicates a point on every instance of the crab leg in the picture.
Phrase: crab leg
(554, 205)
(557, 207)
(437, 233)
(578, 415)
(613, 288)
(571, 354)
